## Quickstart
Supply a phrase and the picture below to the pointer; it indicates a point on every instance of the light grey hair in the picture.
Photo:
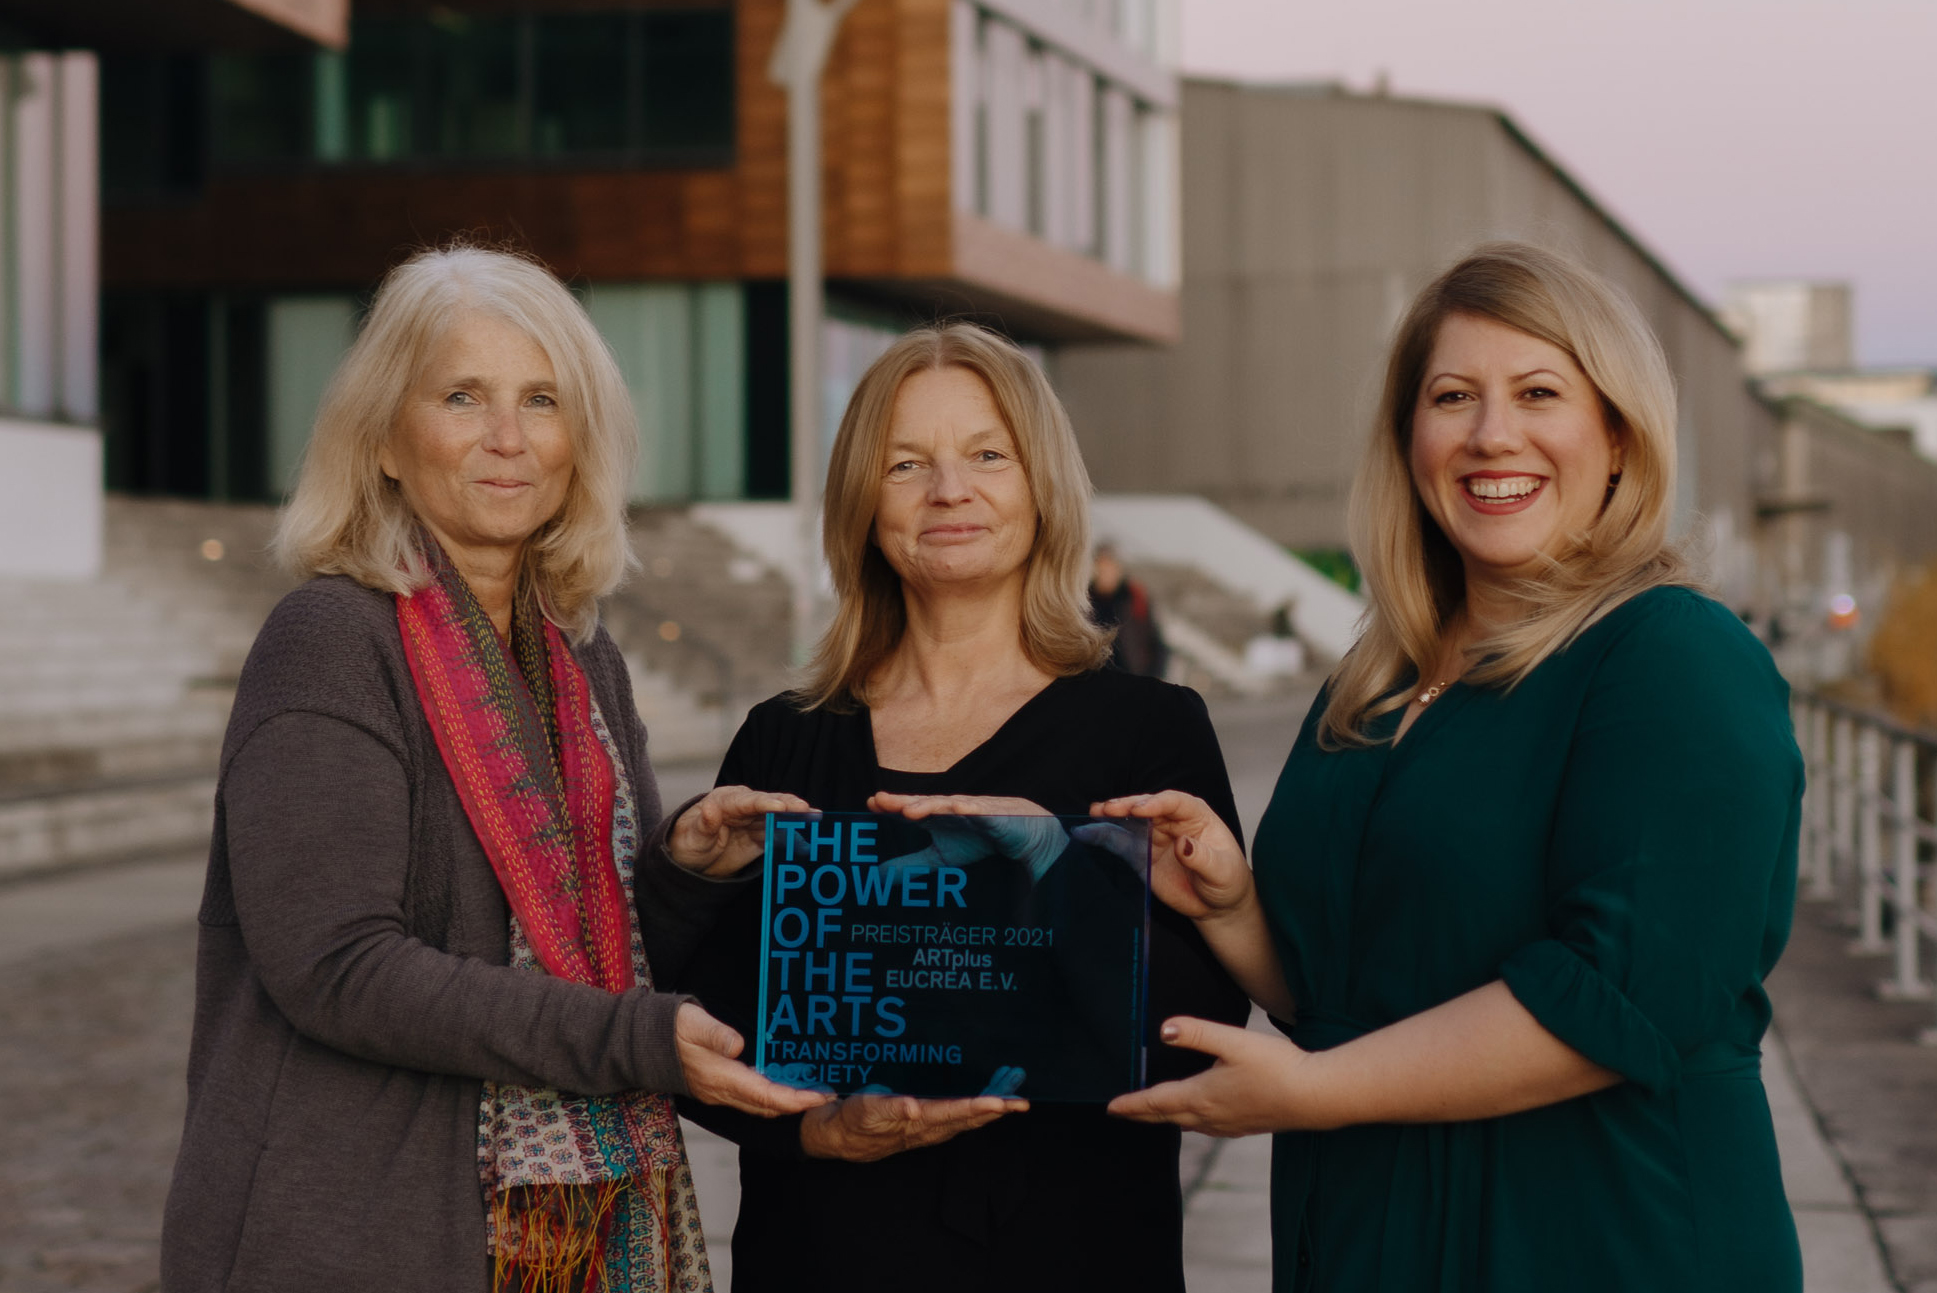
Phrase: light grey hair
(346, 517)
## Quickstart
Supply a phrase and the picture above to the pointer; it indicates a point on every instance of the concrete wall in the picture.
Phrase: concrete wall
(50, 500)
(1310, 219)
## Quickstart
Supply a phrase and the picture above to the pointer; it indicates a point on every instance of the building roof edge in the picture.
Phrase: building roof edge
(1514, 131)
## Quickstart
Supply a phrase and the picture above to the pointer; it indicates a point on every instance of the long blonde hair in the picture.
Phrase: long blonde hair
(346, 517)
(1057, 634)
(1413, 577)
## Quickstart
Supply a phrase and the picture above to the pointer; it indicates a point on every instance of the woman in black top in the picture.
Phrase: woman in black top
(961, 662)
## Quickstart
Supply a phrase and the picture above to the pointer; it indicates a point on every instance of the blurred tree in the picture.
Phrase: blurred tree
(1904, 651)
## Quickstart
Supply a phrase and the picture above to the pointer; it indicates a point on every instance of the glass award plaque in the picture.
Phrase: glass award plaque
(955, 956)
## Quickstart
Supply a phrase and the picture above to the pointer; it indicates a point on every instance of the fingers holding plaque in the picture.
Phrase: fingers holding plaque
(955, 956)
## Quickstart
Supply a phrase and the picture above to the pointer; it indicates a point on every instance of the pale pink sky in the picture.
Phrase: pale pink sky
(1734, 138)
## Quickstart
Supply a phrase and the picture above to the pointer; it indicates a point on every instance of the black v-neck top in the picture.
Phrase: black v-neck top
(1058, 1198)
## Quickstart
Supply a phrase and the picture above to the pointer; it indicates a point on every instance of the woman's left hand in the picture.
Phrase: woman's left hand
(1259, 1083)
(727, 829)
(709, 1056)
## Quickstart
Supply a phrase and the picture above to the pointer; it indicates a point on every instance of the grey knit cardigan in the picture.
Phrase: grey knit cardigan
(351, 985)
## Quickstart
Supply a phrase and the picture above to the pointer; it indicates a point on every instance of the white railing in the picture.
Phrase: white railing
(1862, 836)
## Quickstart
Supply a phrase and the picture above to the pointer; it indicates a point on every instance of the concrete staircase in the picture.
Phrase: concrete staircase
(705, 627)
(1217, 584)
(1208, 628)
(114, 692)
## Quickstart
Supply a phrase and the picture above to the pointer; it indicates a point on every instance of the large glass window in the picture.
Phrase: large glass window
(262, 101)
(580, 59)
(475, 95)
(686, 81)
(682, 350)
(378, 86)
(1050, 145)
(626, 87)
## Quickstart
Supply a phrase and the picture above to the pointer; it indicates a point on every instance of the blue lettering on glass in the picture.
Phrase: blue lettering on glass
(786, 879)
(858, 969)
(873, 886)
(949, 881)
(780, 926)
(819, 889)
(786, 960)
(816, 838)
(820, 973)
(833, 1015)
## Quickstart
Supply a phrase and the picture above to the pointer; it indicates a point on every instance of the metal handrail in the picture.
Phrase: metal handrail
(1862, 834)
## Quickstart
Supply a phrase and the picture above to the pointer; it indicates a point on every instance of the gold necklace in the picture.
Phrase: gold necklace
(1434, 692)
(1431, 693)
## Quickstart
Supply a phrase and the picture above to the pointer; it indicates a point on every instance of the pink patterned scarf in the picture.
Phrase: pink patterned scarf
(533, 779)
(515, 724)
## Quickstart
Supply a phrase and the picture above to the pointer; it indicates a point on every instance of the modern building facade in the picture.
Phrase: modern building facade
(1798, 341)
(1894, 402)
(1011, 160)
(50, 149)
(1845, 513)
(1313, 215)
(1311, 218)
(1788, 324)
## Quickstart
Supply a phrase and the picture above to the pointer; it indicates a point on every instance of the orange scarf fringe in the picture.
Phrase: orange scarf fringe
(551, 1238)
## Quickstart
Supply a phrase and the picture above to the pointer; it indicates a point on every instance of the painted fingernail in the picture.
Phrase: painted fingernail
(1168, 1032)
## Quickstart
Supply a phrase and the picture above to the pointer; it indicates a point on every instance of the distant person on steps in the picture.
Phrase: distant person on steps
(1120, 602)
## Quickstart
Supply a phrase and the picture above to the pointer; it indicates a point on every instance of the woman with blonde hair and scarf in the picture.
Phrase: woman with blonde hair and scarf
(430, 1051)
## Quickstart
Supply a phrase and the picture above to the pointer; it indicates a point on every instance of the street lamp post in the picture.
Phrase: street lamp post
(799, 58)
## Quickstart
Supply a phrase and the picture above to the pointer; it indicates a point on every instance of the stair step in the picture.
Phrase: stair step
(114, 694)
(52, 832)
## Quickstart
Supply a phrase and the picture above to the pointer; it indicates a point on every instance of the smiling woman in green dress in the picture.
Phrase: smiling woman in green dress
(1530, 858)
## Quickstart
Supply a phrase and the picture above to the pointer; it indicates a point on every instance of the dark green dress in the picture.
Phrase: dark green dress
(1616, 838)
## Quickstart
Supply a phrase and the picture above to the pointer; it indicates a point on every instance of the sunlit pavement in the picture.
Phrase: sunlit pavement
(96, 980)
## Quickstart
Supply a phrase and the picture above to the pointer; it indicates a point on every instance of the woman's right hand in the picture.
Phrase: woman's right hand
(727, 829)
(708, 1052)
(864, 1127)
(1197, 868)
(1196, 865)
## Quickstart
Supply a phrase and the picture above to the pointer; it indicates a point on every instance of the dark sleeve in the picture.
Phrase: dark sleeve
(1179, 751)
(1671, 868)
(317, 813)
(685, 906)
(724, 971)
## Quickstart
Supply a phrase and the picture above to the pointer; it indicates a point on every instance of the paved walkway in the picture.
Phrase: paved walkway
(96, 977)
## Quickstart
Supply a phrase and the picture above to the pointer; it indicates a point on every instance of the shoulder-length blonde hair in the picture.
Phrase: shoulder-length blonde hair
(1413, 577)
(1057, 633)
(345, 517)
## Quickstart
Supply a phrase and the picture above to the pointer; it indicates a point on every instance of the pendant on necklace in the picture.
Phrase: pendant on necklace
(1431, 693)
